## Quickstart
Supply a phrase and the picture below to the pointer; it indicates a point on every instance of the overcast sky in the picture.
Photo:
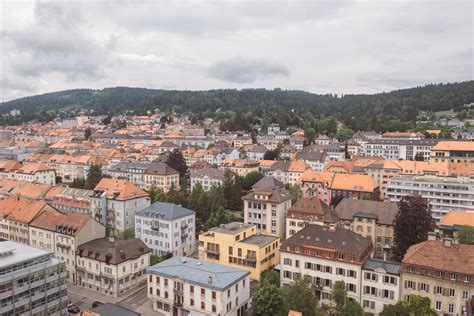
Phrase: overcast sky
(318, 46)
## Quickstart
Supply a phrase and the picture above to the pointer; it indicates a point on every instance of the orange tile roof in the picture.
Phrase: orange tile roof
(32, 168)
(50, 218)
(353, 182)
(298, 166)
(267, 163)
(32, 190)
(459, 218)
(119, 189)
(21, 210)
(454, 145)
(347, 165)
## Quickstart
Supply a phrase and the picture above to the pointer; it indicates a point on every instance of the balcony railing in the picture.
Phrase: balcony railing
(213, 251)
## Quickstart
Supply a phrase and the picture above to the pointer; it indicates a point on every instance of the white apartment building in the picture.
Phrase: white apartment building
(32, 281)
(167, 228)
(443, 193)
(207, 178)
(183, 286)
(62, 233)
(112, 266)
(114, 203)
(35, 172)
(381, 284)
(326, 255)
(266, 206)
(405, 149)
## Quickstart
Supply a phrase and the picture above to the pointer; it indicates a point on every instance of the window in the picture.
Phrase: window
(340, 271)
(410, 285)
(287, 262)
(465, 295)
(453, 277)
(411, 269)
(230, 251)
(439, 306)
(423, 287)
(191, 289)
(203, 291)
(452, 292)
(451, 308)
(467, 278)
(438, 290)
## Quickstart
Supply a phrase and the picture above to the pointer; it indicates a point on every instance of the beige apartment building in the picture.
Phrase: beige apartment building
(443, 272)
(239, 245)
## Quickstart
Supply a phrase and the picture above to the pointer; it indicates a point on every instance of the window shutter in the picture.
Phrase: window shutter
(406, 283)
(414, 286)
(427, 288)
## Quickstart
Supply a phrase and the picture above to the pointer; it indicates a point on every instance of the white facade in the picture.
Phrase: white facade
(206, 181)
(175, 236)
(44, 176)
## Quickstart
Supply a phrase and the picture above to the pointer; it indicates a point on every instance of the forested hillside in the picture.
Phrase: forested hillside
(384, 111)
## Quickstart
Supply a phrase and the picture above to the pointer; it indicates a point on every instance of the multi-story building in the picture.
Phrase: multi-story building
(238, 245)
(326, 255)
(241, 167)
(371, 219)
(453, 221)
(444, 194)
(61, 233)
(453, 151)
(240, 141)
(114, 203)
(161, 176)
(266, 206)
(380, 284)
(17, 214)
(32, 281)
(167, 228)
(186, 286)
(35, 172)
(327, 186)
(315, 159)
(112, 266)
(287, 172)
(443, 272)
(405, 149)
(207, 178)
(309, 210)
(68, 199)
(133, 172)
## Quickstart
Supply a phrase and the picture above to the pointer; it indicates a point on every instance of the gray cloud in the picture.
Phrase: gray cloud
(246, 70)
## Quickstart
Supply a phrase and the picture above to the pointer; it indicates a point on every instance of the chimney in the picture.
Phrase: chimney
(431, 236)
(447, 242)
(209, 280)
(384, 256)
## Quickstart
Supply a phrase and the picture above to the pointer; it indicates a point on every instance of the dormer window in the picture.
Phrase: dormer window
(453, 277)
(411, 269)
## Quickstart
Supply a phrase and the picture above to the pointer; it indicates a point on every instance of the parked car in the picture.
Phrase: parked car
(73, 309)
(96, 303)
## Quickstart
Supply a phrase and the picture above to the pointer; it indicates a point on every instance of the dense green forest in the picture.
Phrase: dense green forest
(394, 110)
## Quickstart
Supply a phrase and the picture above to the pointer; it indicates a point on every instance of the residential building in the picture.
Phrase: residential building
(207, 178)
(35, 172)
(326, 255)
(309, 210)
(441, 271)
(240, 141)
(443, 194)
(315, 159)
(112, 266)
(266, 206)
(33, 282)
(453, 221)
(453, 151)
(161, 176)
(166, 228)
(287, 172)
(133, 172)
(186, 286)
(328, 186)
(239, 245)
(114, 203)
(68, 199)
(241, 167)
(381, 284)
(405, 149)
(371, 219)
(62, 233)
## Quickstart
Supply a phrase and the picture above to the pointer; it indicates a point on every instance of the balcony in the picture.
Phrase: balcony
(184, 226)
(213, 251)
(251, 258)
(63, 245)
(155, 226)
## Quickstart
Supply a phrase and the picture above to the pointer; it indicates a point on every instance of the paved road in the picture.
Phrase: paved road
(134, 300)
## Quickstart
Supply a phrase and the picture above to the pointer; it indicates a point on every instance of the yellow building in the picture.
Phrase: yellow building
(453, 151)
(238, 245)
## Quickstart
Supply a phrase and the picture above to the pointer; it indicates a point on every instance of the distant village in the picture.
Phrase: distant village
(102, 204)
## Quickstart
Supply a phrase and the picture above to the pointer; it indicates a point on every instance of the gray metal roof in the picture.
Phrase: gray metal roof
(166, 211)
(391, 267)
(198, 272)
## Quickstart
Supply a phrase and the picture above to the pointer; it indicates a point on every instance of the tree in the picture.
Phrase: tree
(309, 135)
(412, 224)
(94, 175)
(218, 217)
(394, 310)
(295, 191)
(78, 183)
(352, 308)
(419, 305)
(87, 133)
(347, 155)
(232, 188)
(267, 300)
(157, 195)
(344, 134)
(270, 155)
(272, 277)
(250, 179)
(339, 295)
(466, 235)
(126, 234)
(176, 161)
(299, 296)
